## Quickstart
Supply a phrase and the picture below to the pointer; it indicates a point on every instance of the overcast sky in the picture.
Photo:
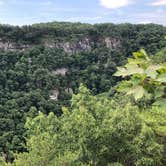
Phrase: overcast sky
(21, 12)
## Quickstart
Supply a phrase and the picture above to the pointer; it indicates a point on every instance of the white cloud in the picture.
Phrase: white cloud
(158, 3)
(145, 22)
(114, 4)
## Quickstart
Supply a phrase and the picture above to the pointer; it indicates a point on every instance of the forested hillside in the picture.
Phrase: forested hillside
(42, 67)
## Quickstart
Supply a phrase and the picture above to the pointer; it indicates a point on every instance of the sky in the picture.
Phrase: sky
(27, 12)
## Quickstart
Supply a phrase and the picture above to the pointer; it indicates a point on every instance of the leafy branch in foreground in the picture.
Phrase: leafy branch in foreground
(146, 78)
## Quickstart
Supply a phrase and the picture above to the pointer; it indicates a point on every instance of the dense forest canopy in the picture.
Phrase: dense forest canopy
(43, 65)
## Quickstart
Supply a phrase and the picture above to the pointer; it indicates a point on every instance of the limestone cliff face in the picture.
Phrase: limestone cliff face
(70, 47)
(60, 71)
(12, 46)
(112, 43)
(84, 44)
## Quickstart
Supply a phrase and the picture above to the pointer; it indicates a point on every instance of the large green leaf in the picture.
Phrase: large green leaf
(160, 102)
(141, 55)
(151, 71)
(120, 72)
(162, 78)
(124, 86)
(137, 91)
(135, 61)
(128, 70)
(159, 92)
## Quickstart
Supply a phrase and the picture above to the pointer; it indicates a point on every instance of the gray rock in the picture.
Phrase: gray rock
(60, 71)
(112, 43)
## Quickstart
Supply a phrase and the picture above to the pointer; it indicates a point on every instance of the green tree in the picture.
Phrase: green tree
(92, 134)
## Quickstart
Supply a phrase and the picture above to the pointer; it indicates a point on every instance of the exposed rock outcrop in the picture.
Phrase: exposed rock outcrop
(69, 90)
(11, 46)
(60, 71)
(71, 47)
(112, 43)
(54, 94)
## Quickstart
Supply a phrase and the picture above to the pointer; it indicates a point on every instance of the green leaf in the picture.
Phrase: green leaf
(129, 69)
(135, 61)
(151, 71)
(162, 78)
(141, 55)
(160, 102)
(134, 69)
(124, 86)
(138, 92)
(159, 92)
(120, 72)
(138, 55)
